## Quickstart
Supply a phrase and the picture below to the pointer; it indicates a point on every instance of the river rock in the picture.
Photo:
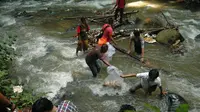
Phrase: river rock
(168, 36)
(197, 38)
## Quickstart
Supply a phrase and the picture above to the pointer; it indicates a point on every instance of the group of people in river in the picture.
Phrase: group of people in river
(149, 80)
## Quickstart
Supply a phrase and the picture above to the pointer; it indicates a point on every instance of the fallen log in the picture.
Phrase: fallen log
(145, 63)
(112, 15)
(125, 52)
(154, 31)
(100, 16)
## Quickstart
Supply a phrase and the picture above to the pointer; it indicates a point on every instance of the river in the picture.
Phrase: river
(46, 60)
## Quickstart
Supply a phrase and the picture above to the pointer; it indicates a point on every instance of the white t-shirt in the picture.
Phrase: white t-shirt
(144, 80)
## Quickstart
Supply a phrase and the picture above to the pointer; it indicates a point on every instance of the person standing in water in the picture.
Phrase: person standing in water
(82, 35)
(138, 44)
(149, 81)
(92, 57)
(120, 4)
(107, 33)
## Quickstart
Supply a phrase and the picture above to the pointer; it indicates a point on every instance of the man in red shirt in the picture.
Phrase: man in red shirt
(120, 4)
(107, 33)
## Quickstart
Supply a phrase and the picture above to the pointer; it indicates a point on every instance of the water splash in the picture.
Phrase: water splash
(98, 89)
(6, 20)
(40, 64)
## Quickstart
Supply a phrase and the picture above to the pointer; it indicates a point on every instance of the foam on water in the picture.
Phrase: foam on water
(98, 89)
(31, 3)
(6, 20)
(191, 21)
(110, 105)
(189, 27)
(189, 31)
(55, 81)
(48, 72)
(49, 82)
(185, 88)
(68, 52)
(34, 49)
(96, 3)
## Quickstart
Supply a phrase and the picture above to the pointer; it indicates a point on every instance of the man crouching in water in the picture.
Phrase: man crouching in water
(149, 81)
(92, 57)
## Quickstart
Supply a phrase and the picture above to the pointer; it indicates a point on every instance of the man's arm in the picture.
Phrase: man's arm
(4, 101)
(106, 62)
(142, 48)
(128, 75)
(142, 55)
(161, 91)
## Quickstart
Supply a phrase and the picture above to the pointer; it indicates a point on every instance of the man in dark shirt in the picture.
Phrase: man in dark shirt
(92, 57)
(138, 44)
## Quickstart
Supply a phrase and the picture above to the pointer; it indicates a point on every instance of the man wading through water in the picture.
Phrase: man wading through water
(120, 4)
(138, 44)
(97, 53)
(107, 33)
(149, 82)
(82, 35)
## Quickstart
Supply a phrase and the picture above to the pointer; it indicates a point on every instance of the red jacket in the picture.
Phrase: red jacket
(120, 3)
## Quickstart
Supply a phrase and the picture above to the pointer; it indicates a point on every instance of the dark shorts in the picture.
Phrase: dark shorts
(94, 67)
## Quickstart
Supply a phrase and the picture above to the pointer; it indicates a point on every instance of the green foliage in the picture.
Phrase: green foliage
(5, 83)
(153, 108)
(25, 99)
(183, 108)
(6, 52)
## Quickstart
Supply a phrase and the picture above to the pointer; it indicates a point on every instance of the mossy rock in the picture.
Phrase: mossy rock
(168, 36)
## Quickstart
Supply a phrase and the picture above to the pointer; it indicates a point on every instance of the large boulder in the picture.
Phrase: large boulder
(168, 37)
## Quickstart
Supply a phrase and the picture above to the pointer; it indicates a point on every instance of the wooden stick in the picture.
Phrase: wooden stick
(168, 23)
(125, 52)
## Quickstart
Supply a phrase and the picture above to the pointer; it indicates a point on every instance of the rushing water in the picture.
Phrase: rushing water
(46, 58)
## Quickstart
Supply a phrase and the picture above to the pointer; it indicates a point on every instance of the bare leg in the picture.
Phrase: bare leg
(136, 87)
